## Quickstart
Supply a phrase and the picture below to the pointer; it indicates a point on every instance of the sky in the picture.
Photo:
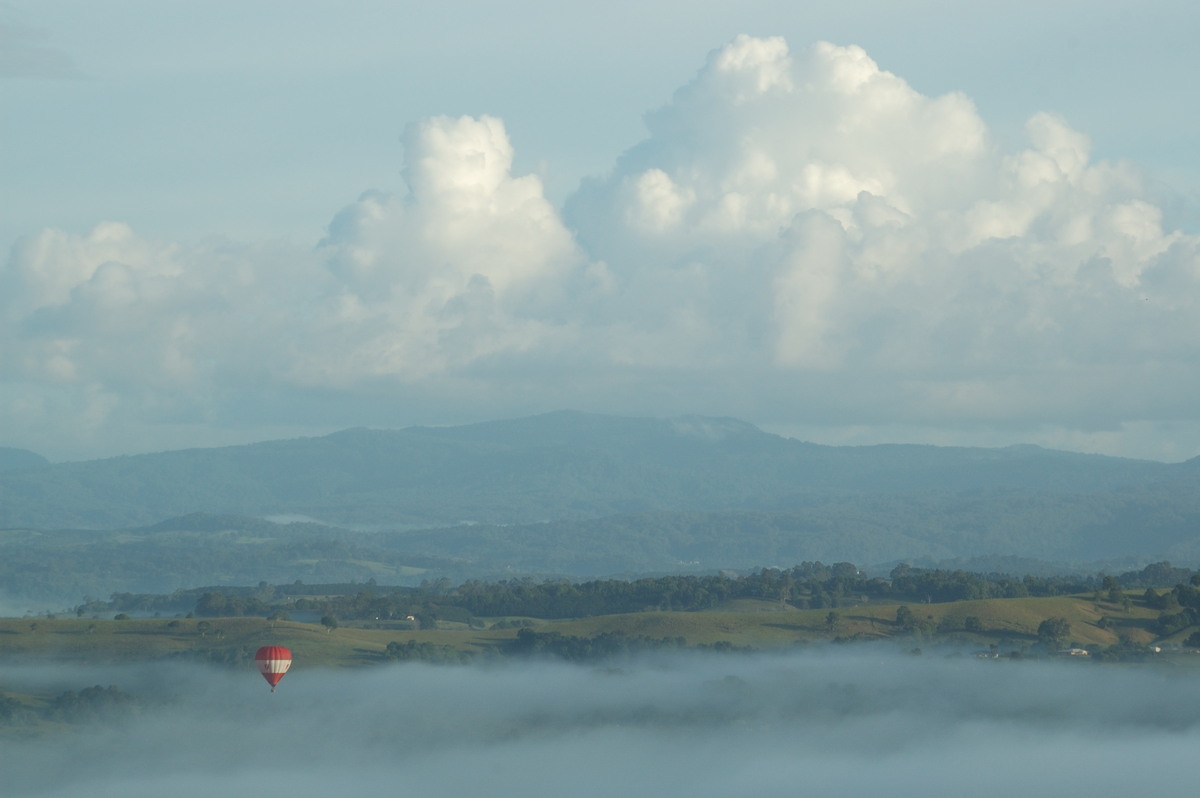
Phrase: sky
(857, 721)
(882, 222)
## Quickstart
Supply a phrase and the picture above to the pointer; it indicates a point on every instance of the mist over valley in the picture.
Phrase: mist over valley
(839, 722)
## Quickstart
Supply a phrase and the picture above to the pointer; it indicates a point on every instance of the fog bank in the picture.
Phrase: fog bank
(850, 722)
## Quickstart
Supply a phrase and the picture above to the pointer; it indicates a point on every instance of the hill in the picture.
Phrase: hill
(574, 495)
(553, 467)
(20, 459)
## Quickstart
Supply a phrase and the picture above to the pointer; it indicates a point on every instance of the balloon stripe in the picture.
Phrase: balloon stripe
(273, 662)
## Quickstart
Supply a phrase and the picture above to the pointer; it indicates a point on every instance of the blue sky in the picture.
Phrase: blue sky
(882, 222)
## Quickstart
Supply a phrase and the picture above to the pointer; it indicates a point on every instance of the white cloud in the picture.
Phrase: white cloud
(466, 218)
(901, 249)
(108, 335)
(472, 263)
(801, 238)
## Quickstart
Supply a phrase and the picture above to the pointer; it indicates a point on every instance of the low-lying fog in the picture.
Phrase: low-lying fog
(849, 722)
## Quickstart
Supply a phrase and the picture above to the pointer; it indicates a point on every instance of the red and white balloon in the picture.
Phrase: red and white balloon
(273, 662)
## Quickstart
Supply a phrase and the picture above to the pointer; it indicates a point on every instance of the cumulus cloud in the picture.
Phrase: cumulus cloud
(859, 721)
(802, 237)
(472, 262)
(887, 240)
(107, 332)
(405, 293)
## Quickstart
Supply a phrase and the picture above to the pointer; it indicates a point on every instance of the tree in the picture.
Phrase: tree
(831, 622)
(905, 618)
(1054, 632)
(329, 622)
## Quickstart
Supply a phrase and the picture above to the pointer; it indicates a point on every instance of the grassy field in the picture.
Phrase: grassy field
(1008, 623)
(143, 639)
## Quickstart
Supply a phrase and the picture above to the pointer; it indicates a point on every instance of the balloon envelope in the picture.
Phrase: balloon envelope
(273, 662)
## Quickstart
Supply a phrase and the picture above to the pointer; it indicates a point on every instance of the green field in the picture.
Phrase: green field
(149, 639)
(1008, 623)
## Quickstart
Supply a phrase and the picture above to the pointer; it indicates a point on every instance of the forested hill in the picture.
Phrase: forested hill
(20, 459)
(554, 467)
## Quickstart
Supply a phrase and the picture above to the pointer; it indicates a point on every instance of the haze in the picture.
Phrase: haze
(847, 722)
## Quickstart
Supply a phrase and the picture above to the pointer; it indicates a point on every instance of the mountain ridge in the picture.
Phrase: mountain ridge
(573, 495)
(563, 465)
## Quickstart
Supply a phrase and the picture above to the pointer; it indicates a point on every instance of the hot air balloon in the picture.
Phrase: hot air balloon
(273, 662)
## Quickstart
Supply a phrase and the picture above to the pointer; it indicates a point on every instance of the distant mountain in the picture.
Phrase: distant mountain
(558, 466)
(570, 494)
(20, 459)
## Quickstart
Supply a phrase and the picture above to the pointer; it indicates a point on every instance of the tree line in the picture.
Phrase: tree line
(809, 585)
